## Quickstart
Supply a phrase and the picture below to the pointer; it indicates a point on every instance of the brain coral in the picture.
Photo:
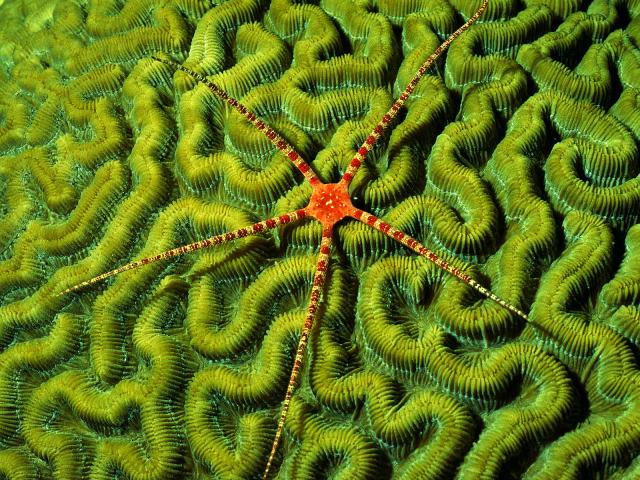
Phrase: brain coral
(516, 159)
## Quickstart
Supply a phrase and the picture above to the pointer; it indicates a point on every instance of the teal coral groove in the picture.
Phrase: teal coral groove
(517, 159)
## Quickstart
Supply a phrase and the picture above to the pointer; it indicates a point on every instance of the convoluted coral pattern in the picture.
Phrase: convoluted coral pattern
(516, 159)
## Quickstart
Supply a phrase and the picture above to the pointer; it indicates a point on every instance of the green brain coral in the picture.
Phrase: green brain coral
(517, 159)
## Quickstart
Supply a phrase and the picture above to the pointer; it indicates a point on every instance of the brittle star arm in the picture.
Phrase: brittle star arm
(420, 249)
(312, 310)
(383, 124)
(259, 124)
(192, 247)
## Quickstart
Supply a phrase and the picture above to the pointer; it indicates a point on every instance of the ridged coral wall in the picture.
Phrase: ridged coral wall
(517, 159)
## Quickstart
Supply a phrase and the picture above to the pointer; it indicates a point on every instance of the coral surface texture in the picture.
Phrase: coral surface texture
(515, 159)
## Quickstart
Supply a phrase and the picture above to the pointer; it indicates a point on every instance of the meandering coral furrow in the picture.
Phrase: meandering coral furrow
(617, 301)
(516, 159)
(138, 417)
(602, 359)
(234, 388)
(34, 356)
(593, 77)
(586, 348)
(396, 414)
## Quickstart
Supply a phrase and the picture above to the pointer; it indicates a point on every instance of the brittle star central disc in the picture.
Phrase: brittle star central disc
(330, 203)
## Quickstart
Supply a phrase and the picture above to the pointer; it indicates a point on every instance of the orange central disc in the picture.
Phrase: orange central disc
(330, 203)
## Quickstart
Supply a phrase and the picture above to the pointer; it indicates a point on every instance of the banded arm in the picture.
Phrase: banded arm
(316, 291)
(420, 249)
(261, 126)
(382, 125)
(192, 247)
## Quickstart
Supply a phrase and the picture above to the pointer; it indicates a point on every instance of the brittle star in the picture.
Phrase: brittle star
(329, 204)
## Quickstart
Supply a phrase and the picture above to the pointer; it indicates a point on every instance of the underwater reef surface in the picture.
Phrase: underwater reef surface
(516, 159)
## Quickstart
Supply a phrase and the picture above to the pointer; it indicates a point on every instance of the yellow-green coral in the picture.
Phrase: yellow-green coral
(516, 159)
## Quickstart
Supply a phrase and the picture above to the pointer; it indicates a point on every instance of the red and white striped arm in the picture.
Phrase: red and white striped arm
(260, 125)
(192, 247)
(382, 125)
(316, 291)
(420, 249)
